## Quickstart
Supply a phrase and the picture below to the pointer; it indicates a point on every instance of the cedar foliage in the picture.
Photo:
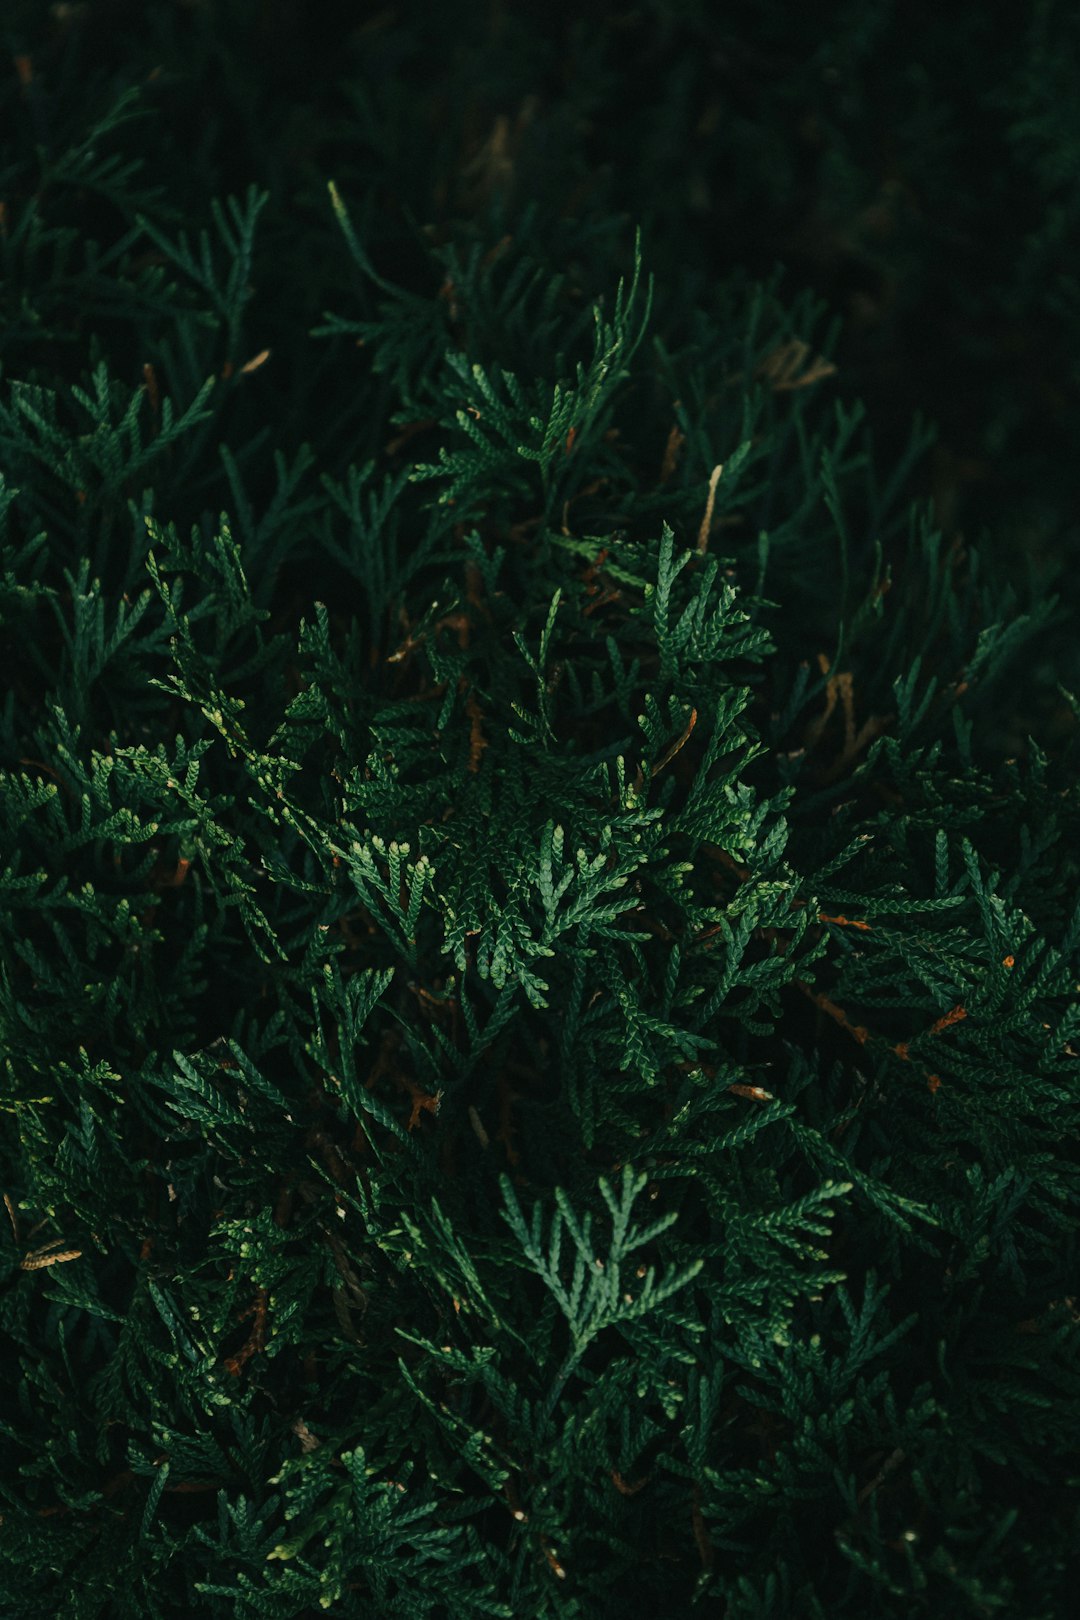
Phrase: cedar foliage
(538, 990)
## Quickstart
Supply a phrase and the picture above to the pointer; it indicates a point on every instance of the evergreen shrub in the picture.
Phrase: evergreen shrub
(539, 1019)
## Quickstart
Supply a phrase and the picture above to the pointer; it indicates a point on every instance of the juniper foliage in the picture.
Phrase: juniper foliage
(537, 1018)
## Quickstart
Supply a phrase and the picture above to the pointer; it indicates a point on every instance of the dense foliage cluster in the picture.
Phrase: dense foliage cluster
(539, 949)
